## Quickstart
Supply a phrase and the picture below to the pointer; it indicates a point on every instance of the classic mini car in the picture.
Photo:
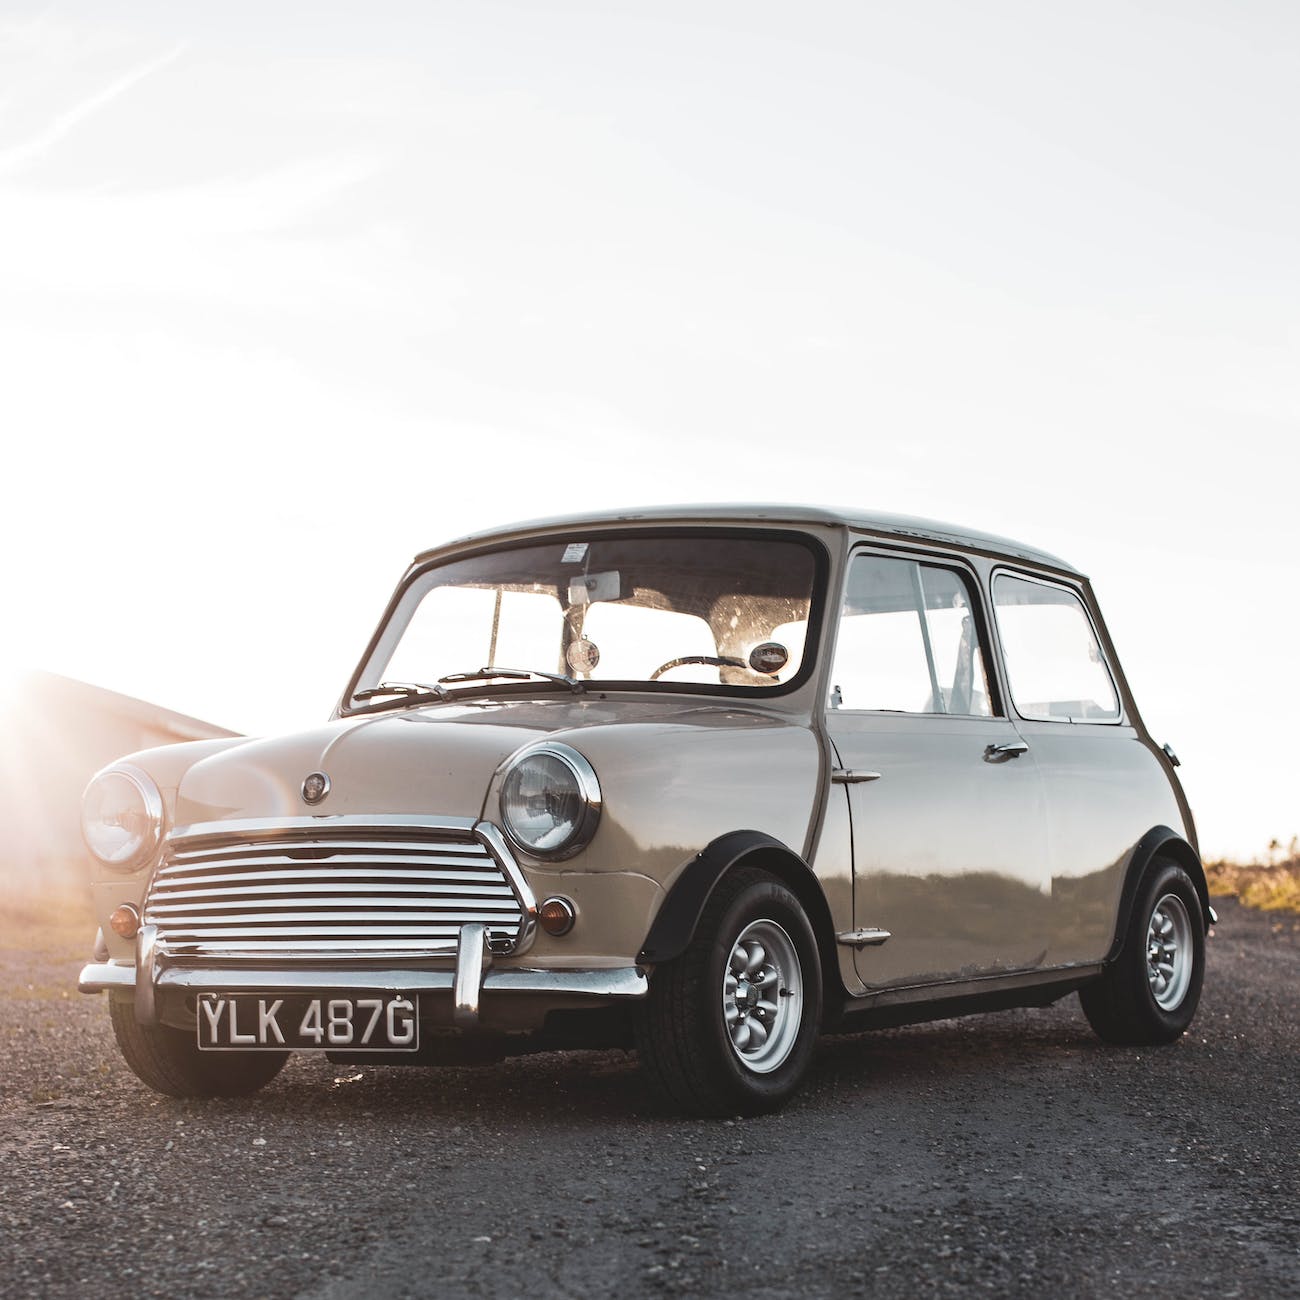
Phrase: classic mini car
(704, 781)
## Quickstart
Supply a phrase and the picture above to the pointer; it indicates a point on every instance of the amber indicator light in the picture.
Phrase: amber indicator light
(556, 916)
(125, 921)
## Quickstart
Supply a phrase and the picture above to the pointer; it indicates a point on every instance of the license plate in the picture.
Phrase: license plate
(379, 1022)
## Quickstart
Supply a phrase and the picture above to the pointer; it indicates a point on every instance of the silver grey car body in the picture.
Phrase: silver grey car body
(959, 829)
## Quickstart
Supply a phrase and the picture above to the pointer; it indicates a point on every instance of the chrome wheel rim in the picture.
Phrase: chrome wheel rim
(762, 996)
(1169, 952)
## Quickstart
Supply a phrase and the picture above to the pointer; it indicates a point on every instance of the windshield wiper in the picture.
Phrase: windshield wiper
(409, 690)
(488, 672)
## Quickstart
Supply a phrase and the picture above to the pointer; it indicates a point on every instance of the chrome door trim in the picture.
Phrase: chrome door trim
(975, 984)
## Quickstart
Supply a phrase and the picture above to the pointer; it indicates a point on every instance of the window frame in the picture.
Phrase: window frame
(814, 642)
(1120, 718)
(970, 577)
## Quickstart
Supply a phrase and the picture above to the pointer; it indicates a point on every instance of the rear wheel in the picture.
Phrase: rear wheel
(729, 1026)
(1150, 992)
(169, 1061)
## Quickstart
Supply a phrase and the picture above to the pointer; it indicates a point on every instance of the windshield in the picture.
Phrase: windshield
(704, 610)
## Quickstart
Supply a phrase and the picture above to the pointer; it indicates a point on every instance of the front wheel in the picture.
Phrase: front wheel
(1149, 994)
(729, 1026)
(169, 1061)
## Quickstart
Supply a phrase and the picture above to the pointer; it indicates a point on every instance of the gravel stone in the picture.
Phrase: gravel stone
(1010, 1154)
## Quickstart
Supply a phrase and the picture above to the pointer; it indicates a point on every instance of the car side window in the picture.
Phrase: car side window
(1055, 667)
(908, 641)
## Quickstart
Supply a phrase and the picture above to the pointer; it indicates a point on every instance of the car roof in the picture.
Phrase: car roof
(887, 525)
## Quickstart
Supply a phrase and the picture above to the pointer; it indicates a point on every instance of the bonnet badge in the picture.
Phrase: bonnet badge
(315, 787)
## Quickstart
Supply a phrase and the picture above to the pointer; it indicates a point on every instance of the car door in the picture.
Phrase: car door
(946, 803)
(1104, 785)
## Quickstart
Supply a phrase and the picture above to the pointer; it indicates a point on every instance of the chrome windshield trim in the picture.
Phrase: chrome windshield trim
(619, 982)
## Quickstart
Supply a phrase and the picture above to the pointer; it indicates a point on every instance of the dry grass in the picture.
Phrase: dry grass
(57, 922)
(1272, 886)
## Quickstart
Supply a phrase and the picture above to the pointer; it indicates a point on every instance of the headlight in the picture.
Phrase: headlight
(121, 817)
(550, 801)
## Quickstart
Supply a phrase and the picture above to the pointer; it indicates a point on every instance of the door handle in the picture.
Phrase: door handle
(852, 776)
(1009, 749)
(870, 937)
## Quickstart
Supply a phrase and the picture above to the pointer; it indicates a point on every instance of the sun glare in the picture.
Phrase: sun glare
(12, 678)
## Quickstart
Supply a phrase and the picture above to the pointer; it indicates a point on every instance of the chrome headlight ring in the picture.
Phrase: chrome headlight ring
(122, 817)
(550, 801)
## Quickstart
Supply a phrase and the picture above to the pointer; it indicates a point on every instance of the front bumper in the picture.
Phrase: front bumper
(472, 978)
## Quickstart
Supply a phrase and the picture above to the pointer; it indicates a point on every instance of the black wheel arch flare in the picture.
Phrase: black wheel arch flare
(1158, 842)
(675, 924)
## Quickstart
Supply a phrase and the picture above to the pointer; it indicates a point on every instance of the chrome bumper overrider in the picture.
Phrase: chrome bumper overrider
(473, 977)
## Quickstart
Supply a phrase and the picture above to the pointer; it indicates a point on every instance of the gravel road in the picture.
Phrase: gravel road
(1010, 1153)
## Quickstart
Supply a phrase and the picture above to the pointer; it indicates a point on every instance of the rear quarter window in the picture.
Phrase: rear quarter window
(1055, 666)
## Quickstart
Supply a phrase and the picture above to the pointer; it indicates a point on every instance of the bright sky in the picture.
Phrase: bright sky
(290, 292)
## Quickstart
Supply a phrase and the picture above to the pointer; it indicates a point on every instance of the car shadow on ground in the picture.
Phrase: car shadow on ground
(546, 1086)
(996, 1045)
(609, 1085)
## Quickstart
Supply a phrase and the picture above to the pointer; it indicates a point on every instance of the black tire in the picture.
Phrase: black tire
(1129, 1004)
(169, 1061)
(683, 1037)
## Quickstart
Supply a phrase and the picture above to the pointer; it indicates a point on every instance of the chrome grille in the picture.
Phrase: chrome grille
(330, 893)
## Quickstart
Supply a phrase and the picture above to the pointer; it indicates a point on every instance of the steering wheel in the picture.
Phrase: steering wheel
(711, 661)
